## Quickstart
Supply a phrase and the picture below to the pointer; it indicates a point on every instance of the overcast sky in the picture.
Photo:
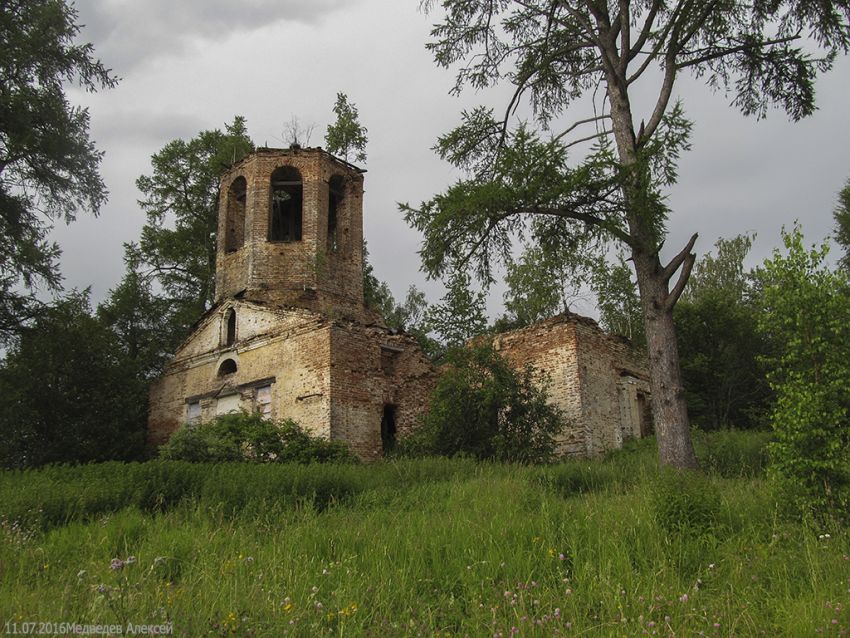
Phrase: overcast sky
(193, 65)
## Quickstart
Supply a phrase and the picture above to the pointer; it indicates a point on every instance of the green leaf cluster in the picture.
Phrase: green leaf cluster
(806, 312)
(720, 347)
(177, 247)
(346, 137)
(243, 436)
(48, 164)
(482, 407)
(69, 393)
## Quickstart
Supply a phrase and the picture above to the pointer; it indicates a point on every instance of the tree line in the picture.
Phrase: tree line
(720, 340)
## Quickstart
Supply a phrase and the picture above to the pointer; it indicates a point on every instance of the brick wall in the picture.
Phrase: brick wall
(595, 378)
(303, 273)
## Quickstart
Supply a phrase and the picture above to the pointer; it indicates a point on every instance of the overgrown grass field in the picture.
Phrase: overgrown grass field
(424, 547)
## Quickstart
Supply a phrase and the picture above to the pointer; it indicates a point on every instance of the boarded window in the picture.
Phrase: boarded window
(234, 226)
(335, 195)
(227, 404)
(263, 401)
(193, 412)
(287, 193)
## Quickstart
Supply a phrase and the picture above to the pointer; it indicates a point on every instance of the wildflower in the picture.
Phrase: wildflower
(130, 560)
(824, 537)
(557, 612)
(552, 552)
(683, 598)
(101, 589)
(116, 565)
(561, 557)
(569, 591)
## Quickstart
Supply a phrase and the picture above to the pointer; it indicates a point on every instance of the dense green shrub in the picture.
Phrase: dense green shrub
(484, 408)
(807, 315)
(248, 437)
(685, 503)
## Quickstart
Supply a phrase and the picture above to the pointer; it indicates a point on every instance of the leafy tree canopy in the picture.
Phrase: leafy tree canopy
(518, 181)
(806, 312)
(346, 137)
(67, 392)
(48, 164)
(180, 200)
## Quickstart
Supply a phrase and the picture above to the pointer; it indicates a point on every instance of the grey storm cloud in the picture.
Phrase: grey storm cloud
(128, 33)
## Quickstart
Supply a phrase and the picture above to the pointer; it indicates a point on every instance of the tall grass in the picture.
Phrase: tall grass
(429, 547)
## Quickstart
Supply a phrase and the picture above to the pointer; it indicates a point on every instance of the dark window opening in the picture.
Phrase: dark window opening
(234, 224)
(647, 427)
(231, 328)
(388, 428)
(287, 194)
(335, 195)
(228, 366)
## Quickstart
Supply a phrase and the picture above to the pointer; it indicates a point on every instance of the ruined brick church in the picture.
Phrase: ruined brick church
(289, 335)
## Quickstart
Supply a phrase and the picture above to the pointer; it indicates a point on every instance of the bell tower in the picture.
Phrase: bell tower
(290, 231)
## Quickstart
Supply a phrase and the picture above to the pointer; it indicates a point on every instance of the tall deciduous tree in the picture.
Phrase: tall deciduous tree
(180, 199)
(68, 393)
(552, 53)
(346, 137)
(806, 311)
(48, 164)
(720, 346)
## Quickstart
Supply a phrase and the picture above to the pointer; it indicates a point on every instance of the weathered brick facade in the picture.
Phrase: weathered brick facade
(598, 380)
(289, 334)
(290, 337)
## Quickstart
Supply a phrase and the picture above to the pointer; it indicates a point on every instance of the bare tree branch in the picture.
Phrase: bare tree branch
(678, 260)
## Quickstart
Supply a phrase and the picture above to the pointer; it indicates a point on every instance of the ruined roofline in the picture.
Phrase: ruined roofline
(295, 150)
(567, 317)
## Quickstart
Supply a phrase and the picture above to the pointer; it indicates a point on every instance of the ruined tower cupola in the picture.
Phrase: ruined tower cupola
(290, 231)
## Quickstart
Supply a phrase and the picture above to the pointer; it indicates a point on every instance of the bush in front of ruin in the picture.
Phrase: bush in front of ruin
(243, 436)
(483, 408)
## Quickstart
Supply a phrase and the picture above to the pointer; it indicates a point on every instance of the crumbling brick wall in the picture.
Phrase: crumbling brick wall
(595, 378)
(307, 272)
(373, 368)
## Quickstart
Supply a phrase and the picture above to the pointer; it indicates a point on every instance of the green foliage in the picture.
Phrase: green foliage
(618, 302)
(842, 223)
(719, 344)
(461, 313)
(685, 502)
(411, 316)
(482, 407)
(346, 137)
(733, 454)
(140, 322)
(180, 200)
(67, 392)
(415, 546)
(249, 437)
(807, 315)
(48, 164)
(543, 281)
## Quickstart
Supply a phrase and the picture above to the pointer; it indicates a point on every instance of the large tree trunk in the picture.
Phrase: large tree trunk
(670, 412)
(669, 409)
